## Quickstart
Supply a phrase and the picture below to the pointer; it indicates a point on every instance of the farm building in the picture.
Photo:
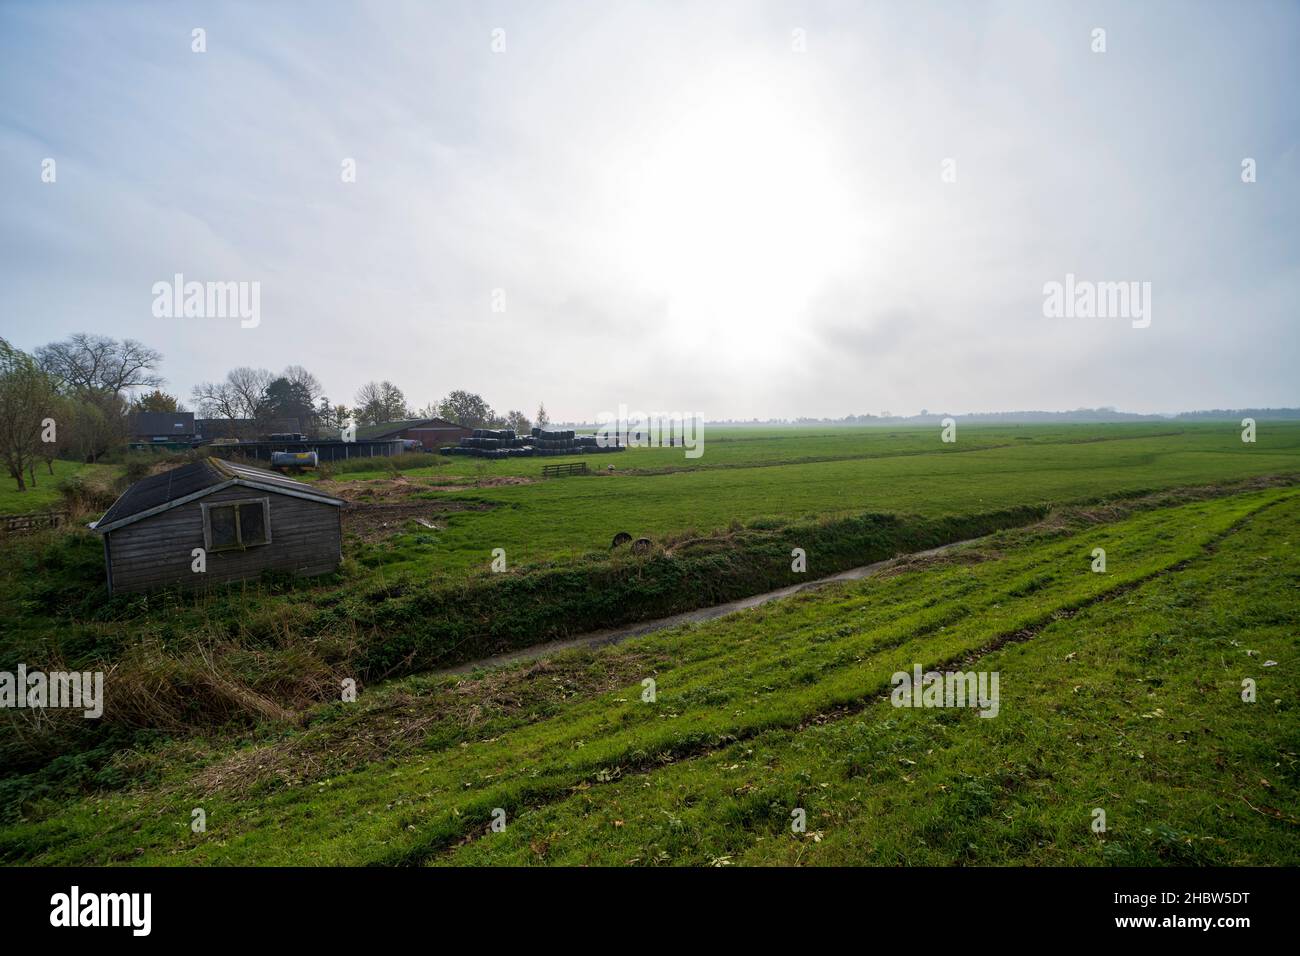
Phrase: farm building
(162, 429)
(208, 429)
(246, 520)
(429, 432)
(243, 429)
(326, 449)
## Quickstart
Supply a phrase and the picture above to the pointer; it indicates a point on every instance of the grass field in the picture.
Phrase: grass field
(742, 479)
(1121, 690)
(45, 495)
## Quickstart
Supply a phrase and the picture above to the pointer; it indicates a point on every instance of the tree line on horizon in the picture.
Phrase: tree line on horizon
(74, 399)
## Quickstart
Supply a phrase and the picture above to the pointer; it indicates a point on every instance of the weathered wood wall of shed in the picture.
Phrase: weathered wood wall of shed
(306, 539)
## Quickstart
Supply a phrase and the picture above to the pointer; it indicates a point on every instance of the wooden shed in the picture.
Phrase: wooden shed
(245, 520)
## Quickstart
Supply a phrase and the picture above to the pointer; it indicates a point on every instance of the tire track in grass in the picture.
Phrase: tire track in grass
(714, 815)
(545, 794)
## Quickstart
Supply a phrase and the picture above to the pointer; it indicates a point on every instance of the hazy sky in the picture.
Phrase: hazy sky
(684, 211)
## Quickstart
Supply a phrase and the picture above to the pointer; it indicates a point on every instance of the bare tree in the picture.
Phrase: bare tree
(369, 404)
(304, 382)
(216, 400)
(84, 364)
(242, 394)
(394, 402)
(378, 402)
(249, 385)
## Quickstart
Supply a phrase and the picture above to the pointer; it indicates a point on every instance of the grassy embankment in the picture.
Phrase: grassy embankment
(1120, 690)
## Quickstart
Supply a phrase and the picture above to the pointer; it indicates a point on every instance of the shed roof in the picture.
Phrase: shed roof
(176, 486)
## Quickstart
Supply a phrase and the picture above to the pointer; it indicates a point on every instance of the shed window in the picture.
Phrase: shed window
(252, 524)
(236, 524)
(222, 528)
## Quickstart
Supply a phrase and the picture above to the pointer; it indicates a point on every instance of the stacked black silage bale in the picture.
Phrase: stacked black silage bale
(505, 443)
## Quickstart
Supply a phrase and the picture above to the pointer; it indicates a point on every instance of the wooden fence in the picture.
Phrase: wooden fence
(556, 471)
(31, 522)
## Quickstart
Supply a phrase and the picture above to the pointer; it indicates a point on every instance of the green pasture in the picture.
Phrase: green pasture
(1121, 691)
(863, 470)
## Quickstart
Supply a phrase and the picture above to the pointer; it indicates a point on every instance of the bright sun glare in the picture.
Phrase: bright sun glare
(737, 215)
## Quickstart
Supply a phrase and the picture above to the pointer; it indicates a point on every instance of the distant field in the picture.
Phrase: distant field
(45, 495)
(1120, 691)
(743, 478)
(761, 445)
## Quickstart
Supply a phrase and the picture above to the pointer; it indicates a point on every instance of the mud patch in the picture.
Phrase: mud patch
(379, 507)
(469, 484)
(373, 522)
(403, 486)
